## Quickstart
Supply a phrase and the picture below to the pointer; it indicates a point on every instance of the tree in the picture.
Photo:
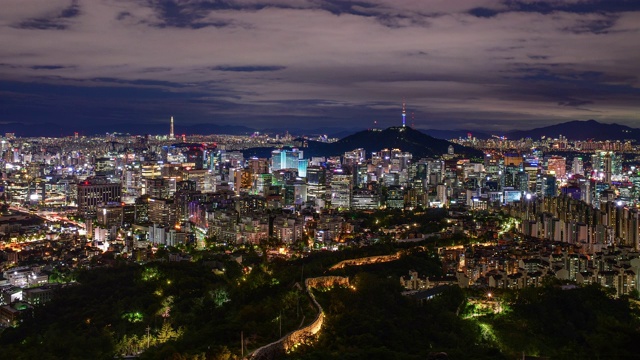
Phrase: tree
(167, 333)
(211, 241)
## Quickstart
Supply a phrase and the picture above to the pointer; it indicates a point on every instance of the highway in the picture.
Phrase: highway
(47, 215)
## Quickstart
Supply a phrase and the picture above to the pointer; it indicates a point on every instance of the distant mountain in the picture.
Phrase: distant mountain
(454, 134)
(405, 139)
(580, 130)
(35, 130)
(51, 129)
(573, 130)
(331, 132)
(163, 128)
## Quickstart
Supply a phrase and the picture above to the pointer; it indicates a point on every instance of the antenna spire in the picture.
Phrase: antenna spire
(404, 114)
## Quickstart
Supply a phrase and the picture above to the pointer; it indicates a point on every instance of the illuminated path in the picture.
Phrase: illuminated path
(307, 333)
(367, 260)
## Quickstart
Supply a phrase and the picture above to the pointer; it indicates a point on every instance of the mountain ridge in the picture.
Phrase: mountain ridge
(572, 130)
(406, 139)
(580, 130)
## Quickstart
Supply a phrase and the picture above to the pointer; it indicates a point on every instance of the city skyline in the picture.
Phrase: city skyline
(308, 64)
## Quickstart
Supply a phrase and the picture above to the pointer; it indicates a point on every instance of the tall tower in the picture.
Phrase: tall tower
(608, 167)
(404, 114)
(171, 134)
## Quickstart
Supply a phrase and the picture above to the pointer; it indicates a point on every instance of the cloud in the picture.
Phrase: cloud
(14, 11)
(47, 67)
(575, 102)
(249, 68)
(56, 19)
(271, 62)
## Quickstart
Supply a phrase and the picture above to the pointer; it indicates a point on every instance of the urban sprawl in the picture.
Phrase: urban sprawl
(534, 208)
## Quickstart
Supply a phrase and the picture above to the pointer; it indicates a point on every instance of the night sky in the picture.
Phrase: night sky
(460, 64)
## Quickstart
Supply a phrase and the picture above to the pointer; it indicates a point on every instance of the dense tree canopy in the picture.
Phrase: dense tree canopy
(198, 310)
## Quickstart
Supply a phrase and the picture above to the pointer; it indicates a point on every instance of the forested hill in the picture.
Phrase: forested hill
(403, 138)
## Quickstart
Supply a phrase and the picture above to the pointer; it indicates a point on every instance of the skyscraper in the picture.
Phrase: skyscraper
(171, 134)
(557, 165)
(608, 167)
(404, 114)
(285, 159)
(577, 167)
(95, 191)
(341, 187)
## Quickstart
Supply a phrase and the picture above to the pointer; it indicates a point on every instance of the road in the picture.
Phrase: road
(47, 215)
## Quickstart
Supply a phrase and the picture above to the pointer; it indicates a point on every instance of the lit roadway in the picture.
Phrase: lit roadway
(48, 216)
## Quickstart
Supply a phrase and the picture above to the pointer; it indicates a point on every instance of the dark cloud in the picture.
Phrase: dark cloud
(311, 63)
(55, 21)
(123, 15)
(575, 102)
(577, 7)
(585, 7)
(48, 67)
(597, 26)
(483, 12)
(249, 68)
(538, 57)
(102, 89)
(187, 14)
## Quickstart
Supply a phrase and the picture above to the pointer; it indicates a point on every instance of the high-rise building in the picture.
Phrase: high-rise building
(159, 187)
(105, 166)
(95, 191)
(303, 164)
(607, 167)
(354, 157)
(512, 159)
(258, 166)
(110, 214)
(263, 183)
(365, 199)
(548, 186)
(341, 187)
(605, 164)
(435, 171)
(558, 166)
(316, 175)
(395, 197)
(361, 176)
(577, 167)
(285, 159)
(171, 133)
(195, 155)
(522, 181)
(162, 211)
